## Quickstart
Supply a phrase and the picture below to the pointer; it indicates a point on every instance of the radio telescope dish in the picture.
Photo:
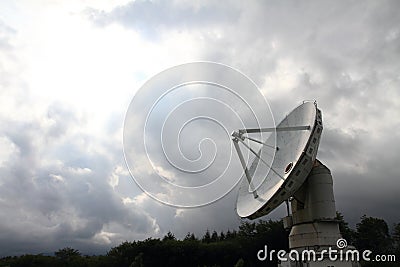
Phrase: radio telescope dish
(267, 186)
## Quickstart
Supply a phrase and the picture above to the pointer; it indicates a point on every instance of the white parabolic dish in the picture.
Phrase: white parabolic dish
(294, 158)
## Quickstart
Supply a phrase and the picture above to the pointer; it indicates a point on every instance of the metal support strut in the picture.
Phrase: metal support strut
(246, 171)
(272, 129)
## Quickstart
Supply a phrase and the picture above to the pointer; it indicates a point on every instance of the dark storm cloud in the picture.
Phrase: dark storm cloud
(52, 192)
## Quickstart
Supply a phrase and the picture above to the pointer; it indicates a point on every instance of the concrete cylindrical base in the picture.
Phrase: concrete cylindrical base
(314, 212)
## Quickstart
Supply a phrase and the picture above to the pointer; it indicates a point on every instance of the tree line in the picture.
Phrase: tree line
(231, 248)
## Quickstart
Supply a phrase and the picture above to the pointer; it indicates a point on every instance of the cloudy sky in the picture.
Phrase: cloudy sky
(69, 69)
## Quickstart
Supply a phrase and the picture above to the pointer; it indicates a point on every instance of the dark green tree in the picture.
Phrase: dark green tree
(190, 237)
(230, 235)
(247, 229)
(207, 237)
(67, 253)
(138, 261)
(373, 234)
(214, 237)
(346, 232)
(123, 254)
(222, 236)
(69, 257)
(169, 236)
(396, 239)
(29, 260)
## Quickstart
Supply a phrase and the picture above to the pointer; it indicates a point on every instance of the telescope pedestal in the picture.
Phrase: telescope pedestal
(314, 211)
(314, 225)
